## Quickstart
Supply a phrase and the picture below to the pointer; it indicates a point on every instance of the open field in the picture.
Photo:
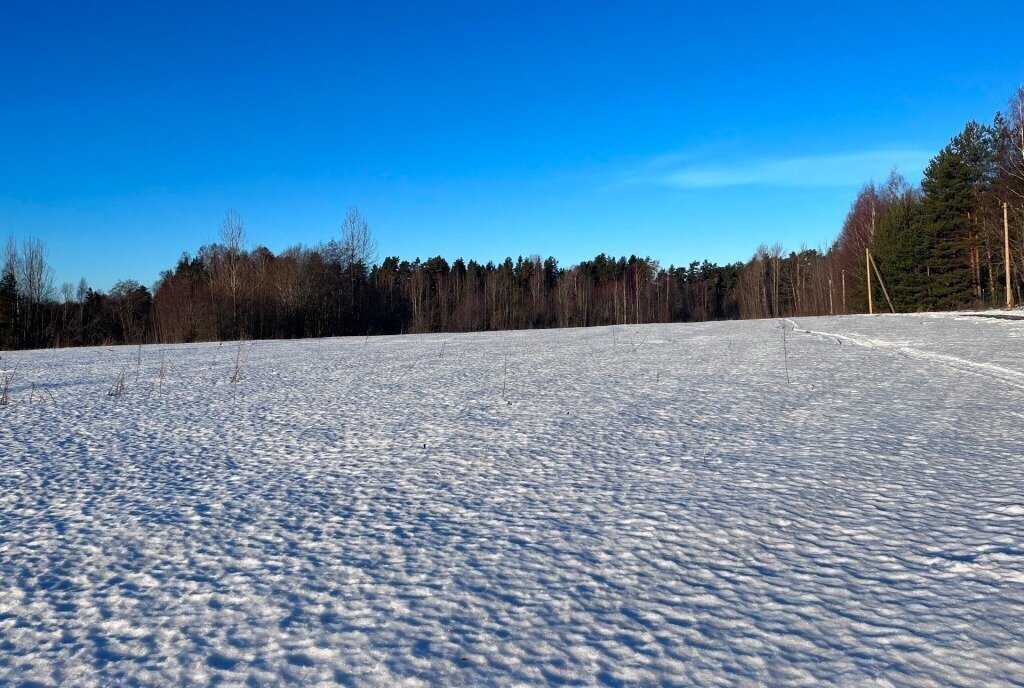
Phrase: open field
(611, 506)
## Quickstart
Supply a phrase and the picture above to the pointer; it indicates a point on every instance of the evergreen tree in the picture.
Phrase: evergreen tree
(942, 226)
(900, 253)
(8, 310)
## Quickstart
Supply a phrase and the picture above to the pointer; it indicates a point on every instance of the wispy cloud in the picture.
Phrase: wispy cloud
(837, 169)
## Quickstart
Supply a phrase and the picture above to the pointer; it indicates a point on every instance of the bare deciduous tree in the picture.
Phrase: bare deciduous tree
(358, 247)
(232, 235)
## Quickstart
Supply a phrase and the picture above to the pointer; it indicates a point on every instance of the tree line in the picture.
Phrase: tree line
(936, 246)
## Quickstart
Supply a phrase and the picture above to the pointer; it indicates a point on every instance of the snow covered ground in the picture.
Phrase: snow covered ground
(642, 505)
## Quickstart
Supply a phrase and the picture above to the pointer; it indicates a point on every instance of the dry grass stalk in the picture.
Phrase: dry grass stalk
(238, 364)
(785, 353)
(118, 387)
(5, 387)
(163, 369)
(504, 376)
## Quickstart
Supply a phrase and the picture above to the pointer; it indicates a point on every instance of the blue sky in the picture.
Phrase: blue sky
(482, 129)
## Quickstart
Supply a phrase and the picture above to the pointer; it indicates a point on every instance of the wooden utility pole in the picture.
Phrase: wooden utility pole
(1006, 254)
(867, 267)
(881, 282)
(842, 275)
(831, 310)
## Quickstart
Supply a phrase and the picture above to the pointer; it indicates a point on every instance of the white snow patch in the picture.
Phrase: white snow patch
(378, 512)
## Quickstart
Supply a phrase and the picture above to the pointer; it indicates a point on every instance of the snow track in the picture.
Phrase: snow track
(1013, 378)
(644, 506)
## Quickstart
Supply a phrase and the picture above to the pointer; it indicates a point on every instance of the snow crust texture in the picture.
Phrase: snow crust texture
(638, 505)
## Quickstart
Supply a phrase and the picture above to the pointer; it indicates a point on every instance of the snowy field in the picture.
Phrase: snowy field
(611, 506)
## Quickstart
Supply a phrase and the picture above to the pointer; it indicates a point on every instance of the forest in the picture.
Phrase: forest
(938, 246)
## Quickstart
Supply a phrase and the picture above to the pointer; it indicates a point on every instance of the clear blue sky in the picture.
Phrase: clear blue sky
(483, 129)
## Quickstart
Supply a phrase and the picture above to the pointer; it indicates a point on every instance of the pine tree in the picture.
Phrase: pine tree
(901, 254)
(8, 310)
(942, 226)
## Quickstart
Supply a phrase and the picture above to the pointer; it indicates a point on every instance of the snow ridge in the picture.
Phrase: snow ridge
(648, 505)
(1014, 378)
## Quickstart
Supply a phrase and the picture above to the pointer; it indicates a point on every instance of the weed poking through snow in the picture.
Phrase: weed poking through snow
(785, 353)
(117, 389)
(5, 387)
